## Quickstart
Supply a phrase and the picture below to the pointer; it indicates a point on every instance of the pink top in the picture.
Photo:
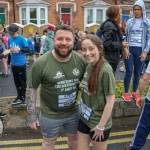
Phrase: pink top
(5, 38)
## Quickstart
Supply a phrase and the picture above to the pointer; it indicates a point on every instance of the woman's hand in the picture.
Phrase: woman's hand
(98, 133)
(143, 56)
(125, 44)
(126, 53)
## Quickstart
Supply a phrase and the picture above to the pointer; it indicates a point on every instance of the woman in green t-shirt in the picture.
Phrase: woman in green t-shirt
(98, 94)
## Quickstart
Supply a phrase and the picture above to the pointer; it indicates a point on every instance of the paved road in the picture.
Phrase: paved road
(32, 141)
(7, 87)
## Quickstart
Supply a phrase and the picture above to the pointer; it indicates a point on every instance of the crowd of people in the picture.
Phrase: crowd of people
(69, 62)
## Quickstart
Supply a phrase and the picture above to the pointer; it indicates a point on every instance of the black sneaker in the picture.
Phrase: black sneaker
(16, 101)
(2, 115)
(23, 104)
(4, 75)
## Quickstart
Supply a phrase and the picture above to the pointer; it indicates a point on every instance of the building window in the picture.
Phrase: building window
(42, 16)
(148, 14)
(99, 16)
(24, 19)
(2, 15)
(34, 15)
(89, 16)
(65, 10)
(2, 10)
(125, 15)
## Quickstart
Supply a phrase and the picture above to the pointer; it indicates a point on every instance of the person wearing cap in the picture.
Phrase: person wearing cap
(48, 43)
(18, 47)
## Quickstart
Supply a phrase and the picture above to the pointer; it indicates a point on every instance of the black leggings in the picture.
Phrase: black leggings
(19, 74)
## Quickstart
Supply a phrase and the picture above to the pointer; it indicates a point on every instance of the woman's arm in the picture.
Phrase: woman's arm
(99, 129)
(107, 110)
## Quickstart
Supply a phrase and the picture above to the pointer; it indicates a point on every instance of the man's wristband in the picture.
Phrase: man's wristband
(100, 129)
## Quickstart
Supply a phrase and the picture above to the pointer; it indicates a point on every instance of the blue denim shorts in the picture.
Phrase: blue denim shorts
(53, 127)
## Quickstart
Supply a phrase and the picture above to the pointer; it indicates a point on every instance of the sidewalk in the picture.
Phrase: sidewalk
(15, 122)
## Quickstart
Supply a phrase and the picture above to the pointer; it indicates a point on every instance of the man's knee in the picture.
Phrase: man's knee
(49, 142)
(72, 137)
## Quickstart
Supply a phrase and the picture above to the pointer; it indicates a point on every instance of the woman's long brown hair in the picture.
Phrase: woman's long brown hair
(113, 12)
(93, 79)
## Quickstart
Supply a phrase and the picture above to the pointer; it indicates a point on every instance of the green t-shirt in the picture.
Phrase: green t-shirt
(59, 83)
(92, 106)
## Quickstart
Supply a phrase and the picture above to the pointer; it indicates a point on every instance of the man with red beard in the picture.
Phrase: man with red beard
(58, 72)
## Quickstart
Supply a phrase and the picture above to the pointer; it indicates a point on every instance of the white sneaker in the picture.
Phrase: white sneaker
(122, 69)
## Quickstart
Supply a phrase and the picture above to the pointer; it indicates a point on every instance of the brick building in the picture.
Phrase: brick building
(77, 13)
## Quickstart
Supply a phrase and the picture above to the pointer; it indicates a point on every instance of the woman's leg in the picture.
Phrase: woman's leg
(4, 61)
(99, 145)
(83, 141)
(137, 67)
(129, 69)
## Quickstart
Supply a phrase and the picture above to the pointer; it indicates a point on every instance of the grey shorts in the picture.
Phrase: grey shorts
(53, 127)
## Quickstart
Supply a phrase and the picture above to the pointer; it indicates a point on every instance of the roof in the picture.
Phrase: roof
(95, 3)
(33, 2)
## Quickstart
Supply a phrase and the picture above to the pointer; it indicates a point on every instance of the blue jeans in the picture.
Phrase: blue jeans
(133, 63)
(143, 128)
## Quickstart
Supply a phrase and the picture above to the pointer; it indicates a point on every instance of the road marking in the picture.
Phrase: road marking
(60, 139)
(64, 146)
(8, 97)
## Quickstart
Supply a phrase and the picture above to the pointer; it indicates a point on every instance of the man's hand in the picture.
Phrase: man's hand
(16, 49)
(6, 52)
(143, 56)
(33, 121)
(34, 125)
(139, 102)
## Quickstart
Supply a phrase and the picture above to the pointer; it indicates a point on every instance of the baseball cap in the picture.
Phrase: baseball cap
(12, 28)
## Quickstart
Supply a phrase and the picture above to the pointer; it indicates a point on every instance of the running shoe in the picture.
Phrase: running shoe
(23, 103)
(134, 96)
(4, 75)
(122, 69)
(16, 101)
(2, 115)
(126, 97)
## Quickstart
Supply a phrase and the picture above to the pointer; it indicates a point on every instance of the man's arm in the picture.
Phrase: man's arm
(143, 83)
(31, 108)
(24, 50)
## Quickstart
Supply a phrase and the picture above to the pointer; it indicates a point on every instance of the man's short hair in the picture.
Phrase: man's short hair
(63, 27)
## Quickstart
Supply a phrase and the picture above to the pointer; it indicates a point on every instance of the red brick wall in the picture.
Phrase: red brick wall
(77, 18)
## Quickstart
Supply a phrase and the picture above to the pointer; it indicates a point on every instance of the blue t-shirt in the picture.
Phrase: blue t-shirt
(17, 58)
(2, 48)
(31, 44)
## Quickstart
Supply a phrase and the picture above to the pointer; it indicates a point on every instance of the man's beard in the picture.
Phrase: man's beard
(57, 51)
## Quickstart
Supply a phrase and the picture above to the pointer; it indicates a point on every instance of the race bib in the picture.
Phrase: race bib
(66, 100)
(85, 110)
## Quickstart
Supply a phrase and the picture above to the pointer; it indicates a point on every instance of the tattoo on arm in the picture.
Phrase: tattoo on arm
(31, 100)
